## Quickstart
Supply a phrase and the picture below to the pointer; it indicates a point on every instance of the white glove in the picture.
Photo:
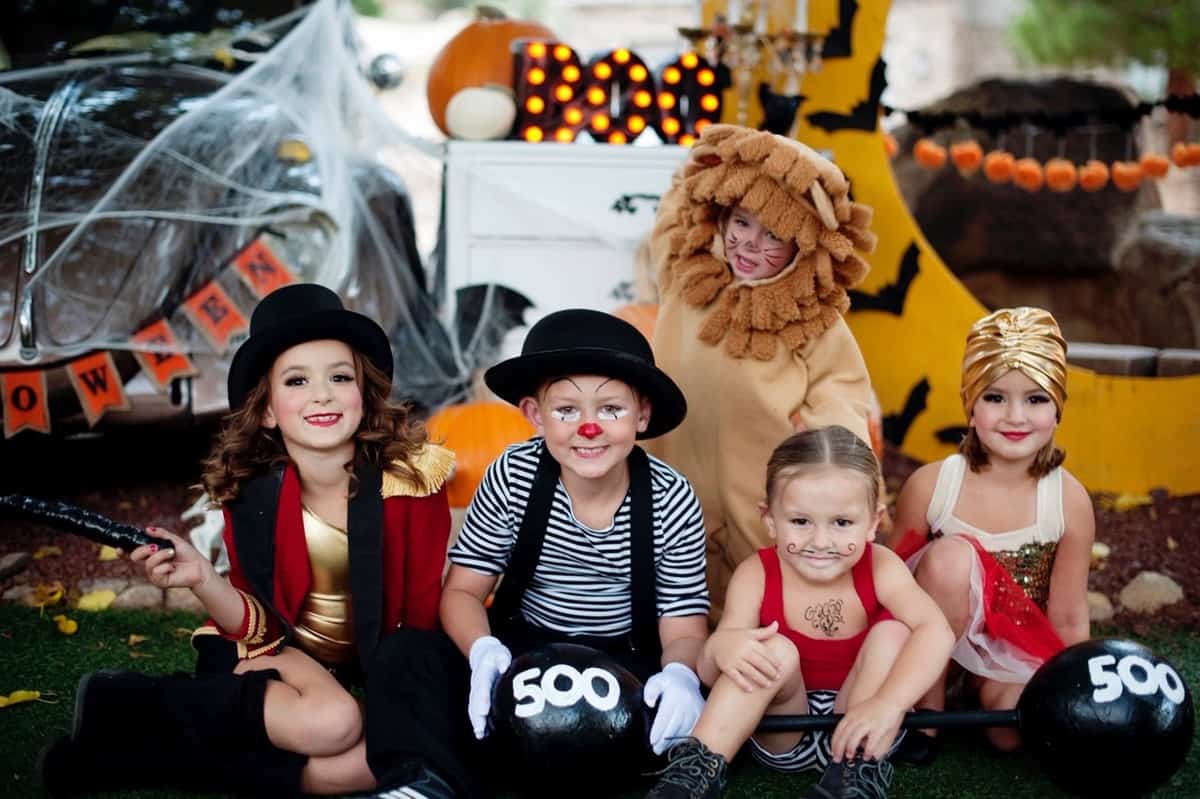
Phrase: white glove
(489, 659)
(678, 688)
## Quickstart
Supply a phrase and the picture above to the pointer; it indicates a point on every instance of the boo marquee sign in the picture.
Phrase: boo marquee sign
(614, 98)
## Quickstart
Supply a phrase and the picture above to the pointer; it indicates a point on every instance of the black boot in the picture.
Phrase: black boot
(135, 706)
(693, 772)
(854, 779)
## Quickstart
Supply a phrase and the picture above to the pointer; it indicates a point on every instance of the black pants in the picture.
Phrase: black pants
(416, 716)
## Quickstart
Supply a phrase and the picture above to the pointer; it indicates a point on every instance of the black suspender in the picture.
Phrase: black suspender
(528, 548)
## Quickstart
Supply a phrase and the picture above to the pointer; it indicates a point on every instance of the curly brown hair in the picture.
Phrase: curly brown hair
(387, 437)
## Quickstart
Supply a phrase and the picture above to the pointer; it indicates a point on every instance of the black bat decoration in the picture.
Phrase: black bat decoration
(864, 115)
(951, 435)
(891, 297)
(895, 425)
(74, 519)
(837, 41)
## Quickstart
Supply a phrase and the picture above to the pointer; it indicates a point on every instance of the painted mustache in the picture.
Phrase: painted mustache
(792, 549)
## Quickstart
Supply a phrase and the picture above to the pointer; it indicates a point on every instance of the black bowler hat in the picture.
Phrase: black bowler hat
(581, 342)
(292, 315)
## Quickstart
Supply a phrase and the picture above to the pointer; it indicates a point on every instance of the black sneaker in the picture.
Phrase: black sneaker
(917, 748)
(693, 772)
(854, 779)
(427, 785)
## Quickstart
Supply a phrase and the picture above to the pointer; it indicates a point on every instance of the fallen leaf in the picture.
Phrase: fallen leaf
(109, 553)
(96, 600)
(136, 654)
(17, 697)
(66, 626)
(183, 632)
(1172, 544)
(1124, 502)
(47, 552)
(47, 594)
(135, 639)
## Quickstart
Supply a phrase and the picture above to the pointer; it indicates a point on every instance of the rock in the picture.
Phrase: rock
(14, 563)
(1158, 263)
(184, 599)
(139, 596)
(1150, 591)
(114, 584)
(1099, 608)
(19, 593)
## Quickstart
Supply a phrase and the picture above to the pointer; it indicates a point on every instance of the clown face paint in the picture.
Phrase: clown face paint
(590, 423)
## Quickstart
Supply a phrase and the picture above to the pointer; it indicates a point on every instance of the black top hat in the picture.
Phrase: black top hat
(292, 315)
(578, 341)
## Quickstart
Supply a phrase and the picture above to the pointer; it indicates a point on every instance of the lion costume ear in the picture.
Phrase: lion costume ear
(824, 206)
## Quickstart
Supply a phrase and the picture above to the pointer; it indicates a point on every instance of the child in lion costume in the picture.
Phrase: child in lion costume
(754, 247)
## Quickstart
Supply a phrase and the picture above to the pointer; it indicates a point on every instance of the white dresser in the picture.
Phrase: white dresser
(558, 223)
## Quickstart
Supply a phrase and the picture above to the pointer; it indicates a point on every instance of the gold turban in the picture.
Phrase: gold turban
(1024, 338)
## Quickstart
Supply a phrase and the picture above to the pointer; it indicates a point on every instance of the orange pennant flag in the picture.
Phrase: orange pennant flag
(261, 269)
(162, 359)
(25, 403)
(98, 385)
(215, 315)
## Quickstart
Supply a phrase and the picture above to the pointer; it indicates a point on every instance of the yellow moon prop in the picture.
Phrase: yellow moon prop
(1122, 434)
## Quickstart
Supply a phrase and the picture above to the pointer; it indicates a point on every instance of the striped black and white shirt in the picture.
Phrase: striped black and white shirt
(581, 585)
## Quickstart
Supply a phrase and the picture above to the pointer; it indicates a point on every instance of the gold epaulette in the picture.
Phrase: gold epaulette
(431, 466)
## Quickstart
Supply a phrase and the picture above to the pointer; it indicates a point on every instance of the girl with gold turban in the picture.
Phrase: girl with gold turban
(1009, 530)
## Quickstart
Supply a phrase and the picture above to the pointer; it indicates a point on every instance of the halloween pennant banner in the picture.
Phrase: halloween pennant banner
(157, 348)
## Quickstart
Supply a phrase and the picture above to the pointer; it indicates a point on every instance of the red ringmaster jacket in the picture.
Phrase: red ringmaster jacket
(398, 532)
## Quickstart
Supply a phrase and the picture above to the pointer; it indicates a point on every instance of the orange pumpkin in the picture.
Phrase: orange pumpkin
(642, 315)
(1127, 175)
(1060, 175)
(929, 154)
(477, 432)
(1155, 165)
(478, 55)
(967, 156)
(1193, 154)
(998, 166)
(1093, 176)
(1179, 154)
(1027, 173)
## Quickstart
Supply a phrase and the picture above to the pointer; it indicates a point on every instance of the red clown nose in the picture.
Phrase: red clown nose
(590, 430)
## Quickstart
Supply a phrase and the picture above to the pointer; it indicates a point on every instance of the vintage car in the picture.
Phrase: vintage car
(144, 145)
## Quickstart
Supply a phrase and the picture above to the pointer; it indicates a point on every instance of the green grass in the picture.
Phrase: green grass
(34, 655)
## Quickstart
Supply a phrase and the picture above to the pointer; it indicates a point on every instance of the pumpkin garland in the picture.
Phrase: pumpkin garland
(1093, 176)
(998, 166)
(929, 153)
(1061, 175)
(967, 156)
